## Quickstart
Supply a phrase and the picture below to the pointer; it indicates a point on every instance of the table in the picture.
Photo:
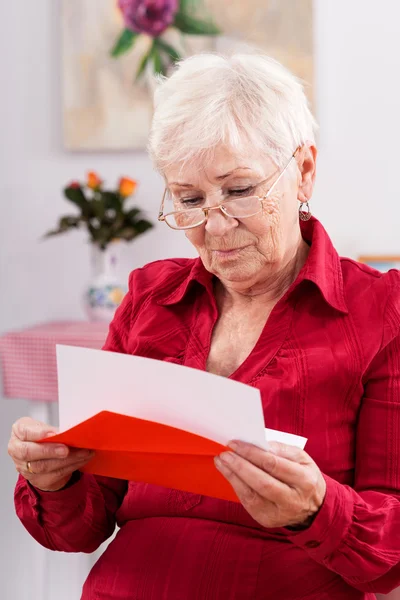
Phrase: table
(28, 360)
(28, 356)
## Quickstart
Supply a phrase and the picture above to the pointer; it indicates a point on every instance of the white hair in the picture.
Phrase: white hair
(237, 101)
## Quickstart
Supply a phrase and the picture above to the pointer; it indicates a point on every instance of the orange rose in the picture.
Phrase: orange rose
(127, 186)
(93, 180)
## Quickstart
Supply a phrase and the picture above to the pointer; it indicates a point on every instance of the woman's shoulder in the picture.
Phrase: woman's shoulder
(371, 292)
(357, 274)
(161, 276)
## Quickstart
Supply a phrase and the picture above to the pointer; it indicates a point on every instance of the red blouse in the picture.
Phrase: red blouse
(328, 367)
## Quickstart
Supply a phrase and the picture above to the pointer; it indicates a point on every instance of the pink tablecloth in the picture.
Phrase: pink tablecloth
(28, 357)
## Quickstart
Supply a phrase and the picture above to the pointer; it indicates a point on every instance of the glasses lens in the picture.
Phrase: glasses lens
(242, 207)
(185, 219)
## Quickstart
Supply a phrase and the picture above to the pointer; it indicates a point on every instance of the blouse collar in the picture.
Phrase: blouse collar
(322, 267)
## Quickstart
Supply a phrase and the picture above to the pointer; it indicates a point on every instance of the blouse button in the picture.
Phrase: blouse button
(312, 544)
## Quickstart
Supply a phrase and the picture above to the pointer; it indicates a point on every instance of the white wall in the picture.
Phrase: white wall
(357, 98)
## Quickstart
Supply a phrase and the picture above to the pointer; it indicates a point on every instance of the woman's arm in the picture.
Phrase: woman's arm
(77, 518)
(357, 531)
(352, 532)
(81, 516)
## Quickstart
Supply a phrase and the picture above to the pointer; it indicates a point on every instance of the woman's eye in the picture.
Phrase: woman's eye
(190, 202)
(241, 191)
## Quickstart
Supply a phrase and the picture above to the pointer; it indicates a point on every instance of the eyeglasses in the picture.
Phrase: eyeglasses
(236, 208)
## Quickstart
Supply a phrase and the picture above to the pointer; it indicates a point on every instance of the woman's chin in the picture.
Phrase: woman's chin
(239, 266)
(231, 271)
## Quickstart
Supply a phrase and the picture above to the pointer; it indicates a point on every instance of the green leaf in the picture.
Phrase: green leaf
(127, 233)
(157, 61)
(192, 26)
(168, 49)
(143, 64)
(97, 209)
(124, 43)
(100, 235)
(186, 6)
(52, 232)
(64, 224)
(115, 223)
(142, 226)
(132, 214)
(68, 222)
(111, 200)
(76, 196)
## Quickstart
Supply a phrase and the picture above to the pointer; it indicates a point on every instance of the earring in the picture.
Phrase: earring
(304, 211)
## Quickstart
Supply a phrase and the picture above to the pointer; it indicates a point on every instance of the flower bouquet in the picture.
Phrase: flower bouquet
(153, 18)
(103, 212)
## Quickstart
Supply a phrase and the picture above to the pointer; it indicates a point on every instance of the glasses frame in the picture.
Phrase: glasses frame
(207, 209)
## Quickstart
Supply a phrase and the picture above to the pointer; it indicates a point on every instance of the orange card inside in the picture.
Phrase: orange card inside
(139, 450)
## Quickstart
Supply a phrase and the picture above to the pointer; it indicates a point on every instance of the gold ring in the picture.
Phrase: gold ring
(28, 468)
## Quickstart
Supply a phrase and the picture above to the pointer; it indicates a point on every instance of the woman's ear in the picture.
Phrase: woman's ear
(306, 163)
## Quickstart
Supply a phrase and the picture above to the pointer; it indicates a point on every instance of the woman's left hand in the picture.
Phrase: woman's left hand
(282, 487)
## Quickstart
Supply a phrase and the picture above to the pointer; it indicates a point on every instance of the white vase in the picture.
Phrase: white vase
(106, 290)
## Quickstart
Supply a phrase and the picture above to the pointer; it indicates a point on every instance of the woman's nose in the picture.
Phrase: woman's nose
(219, 224)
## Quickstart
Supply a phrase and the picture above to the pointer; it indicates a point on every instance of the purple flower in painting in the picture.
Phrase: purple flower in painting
(148, 16)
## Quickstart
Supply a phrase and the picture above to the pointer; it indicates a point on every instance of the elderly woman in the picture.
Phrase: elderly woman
(268, 302)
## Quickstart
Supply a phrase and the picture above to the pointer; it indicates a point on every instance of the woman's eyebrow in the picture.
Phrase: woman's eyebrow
(233, 171)
(219, 178)
(186, 185)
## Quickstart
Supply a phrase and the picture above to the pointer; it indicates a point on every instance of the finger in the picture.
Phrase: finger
(243, 491)
(32, 451)
(46, 481)
(54, 467)
(48, 467)
(289, 472)
(262, 483)
(287, 451)
(26, 429)
(247, 496)
(290, 452)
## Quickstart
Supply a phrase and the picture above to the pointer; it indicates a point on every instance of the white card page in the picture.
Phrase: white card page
(214, 407)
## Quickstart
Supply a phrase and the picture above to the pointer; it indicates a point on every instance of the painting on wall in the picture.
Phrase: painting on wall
(105, 107)
(382, 262)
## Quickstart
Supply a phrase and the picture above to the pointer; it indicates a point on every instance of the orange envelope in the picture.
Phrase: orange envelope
(146, 451)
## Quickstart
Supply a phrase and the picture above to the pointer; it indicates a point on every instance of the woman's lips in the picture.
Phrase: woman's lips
(228, 253)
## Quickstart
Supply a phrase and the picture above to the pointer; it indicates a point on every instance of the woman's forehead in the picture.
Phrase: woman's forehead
(221, 164)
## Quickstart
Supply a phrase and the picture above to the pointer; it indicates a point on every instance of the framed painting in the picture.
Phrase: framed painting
(104, 108)
(382, 262)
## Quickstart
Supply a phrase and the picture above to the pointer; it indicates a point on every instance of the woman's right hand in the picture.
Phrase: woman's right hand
(48, 467)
